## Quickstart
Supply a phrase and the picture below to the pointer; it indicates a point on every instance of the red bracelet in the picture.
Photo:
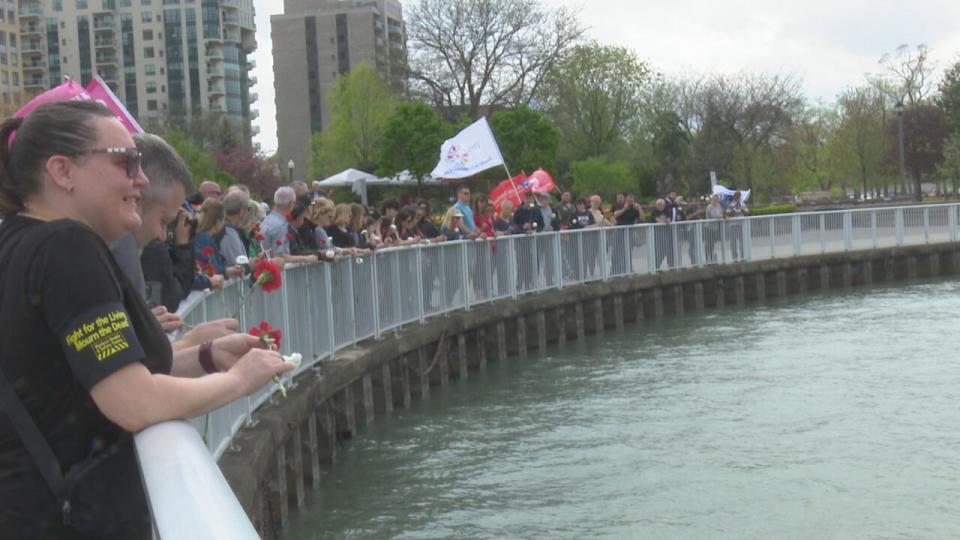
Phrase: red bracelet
(205, 356)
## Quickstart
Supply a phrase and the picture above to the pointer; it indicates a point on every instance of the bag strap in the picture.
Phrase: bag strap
(30, 435)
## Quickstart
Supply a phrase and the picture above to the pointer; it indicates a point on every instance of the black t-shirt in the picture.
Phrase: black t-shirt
(662, 216)
(580, 220)
(70, 318)
(629, 216)
(340, 238)
(427, 229)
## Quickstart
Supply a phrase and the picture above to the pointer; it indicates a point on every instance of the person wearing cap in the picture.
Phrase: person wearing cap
(452, 227)
(528, 217)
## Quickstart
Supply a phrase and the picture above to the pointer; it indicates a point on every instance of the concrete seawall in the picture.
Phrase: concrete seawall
(275, 460)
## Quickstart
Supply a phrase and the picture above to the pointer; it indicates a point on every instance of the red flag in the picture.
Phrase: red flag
(505, 191)
(540, 181)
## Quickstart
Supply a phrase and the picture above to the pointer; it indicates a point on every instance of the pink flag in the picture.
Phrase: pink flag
(99, 91)
(66, 91)
(507, 191)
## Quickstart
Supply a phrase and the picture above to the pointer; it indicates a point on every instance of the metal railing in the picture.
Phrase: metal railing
(325, 307)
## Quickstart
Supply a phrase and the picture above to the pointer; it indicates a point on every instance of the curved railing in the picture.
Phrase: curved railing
(325, 307)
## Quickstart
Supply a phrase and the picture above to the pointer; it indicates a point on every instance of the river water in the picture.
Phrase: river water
(829, 416)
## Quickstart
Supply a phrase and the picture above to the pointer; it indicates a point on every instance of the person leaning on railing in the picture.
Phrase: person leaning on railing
(86, 362)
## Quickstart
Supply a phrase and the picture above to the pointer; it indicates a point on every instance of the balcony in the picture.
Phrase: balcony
(32, 28)
(232, 35)
(35, 65)
(33, 47)
(251, 64)
(105, 42)
(231, 19)
(254, 114)
(107, 59)
(215, 70)
(35, 82)
(215, 89)
(254, 97)
(251, 80)
(217, 106)
(234, 4)
(30, 11)
(110, 76)
(255, 130)
(103, 23)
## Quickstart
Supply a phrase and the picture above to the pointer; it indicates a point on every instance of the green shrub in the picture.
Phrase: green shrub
(774, 209)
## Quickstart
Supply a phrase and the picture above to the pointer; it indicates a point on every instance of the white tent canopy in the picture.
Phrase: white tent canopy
(356, 180)
(348, 178)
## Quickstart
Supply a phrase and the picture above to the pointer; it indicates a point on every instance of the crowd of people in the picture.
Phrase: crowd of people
(103, 236)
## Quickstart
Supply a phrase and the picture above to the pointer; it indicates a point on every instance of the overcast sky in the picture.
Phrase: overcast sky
(829, 44)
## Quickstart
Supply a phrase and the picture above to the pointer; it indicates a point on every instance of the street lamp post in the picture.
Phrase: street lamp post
(903, 166)
(290, 168)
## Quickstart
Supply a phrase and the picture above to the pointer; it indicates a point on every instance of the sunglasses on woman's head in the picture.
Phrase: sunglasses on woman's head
(132, 156)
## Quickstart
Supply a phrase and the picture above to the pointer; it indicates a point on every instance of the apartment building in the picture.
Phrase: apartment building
(169, 61)
(314, 42)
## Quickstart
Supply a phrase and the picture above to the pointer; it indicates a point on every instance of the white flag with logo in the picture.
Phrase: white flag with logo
(471, 151)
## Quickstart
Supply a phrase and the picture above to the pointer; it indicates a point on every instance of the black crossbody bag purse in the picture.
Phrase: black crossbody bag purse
(95, 495)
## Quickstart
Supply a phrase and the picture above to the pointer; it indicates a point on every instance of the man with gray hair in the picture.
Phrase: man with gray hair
(210, 190)
(235, 207)
(300, 188)
(160, 205)
(275, 227)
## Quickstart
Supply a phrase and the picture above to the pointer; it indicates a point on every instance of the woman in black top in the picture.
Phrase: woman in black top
(89, 361)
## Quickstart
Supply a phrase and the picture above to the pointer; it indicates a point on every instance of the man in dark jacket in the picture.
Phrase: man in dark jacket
(528, 217)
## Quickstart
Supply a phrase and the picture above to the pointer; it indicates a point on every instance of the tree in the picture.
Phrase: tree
(527, 139)
(201, 162)
(594, 95)
(924, 134)
(465, 54)
(908, 76)
(860, 145)
(411, 140)
(744, 117)
(360, 106)
(671, 147)
(950, 168)
(810, 148)
(248, 166)
(600, 174)
(949, 98)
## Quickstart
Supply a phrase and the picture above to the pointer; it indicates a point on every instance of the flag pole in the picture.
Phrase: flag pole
(514, 186)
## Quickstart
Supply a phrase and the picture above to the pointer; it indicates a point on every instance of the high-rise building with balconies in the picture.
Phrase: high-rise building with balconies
(171, 62)
(316, 41)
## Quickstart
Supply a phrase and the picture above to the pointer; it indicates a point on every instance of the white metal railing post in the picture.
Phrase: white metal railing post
(443, 280)
(675, 235)
(423, 309)
(311, 339)
(581, 277)
(773, 237)
(746, 234)
(898, 224)
(375, 295)
(847, 230)
(926, 224)
(652, 248)
(823, 234)
(514, 271)
(328, 284)
(723, 242)
(627, 252)
(396, 289)
(701, 249)
(873, 227)
(465, 274)
(797, 235)
(604, 265)
(952, 220)
(352, 301)
(557, 260)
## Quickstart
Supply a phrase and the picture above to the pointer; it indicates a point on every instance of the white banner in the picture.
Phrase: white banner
(726, 194)
(471, 151)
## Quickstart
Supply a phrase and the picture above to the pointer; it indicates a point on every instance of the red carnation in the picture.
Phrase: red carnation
(206, 269)
(267, 275)
(266, 335)
(290, 236)
(290, 218)
(260, 237)
(279, 242)
(207, 252)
